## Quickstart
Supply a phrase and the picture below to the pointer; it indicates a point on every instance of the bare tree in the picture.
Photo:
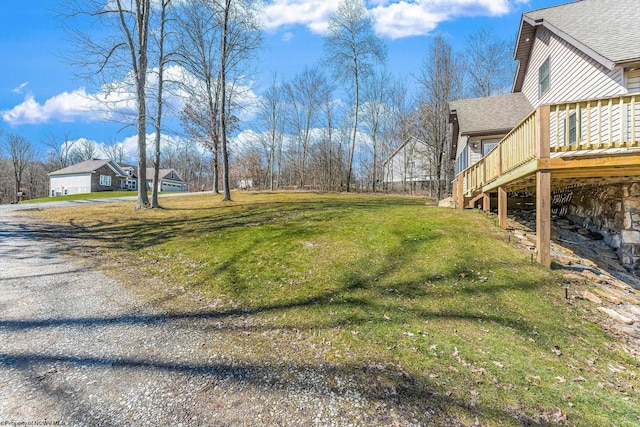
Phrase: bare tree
(304, 96)
(116, 152)
(441, 82)
(162, 61)
(271, 118)
(197, 51)
(83, 149)
(352, 50)
(119, 49)
(488, 63)
(21, 152)
(58, 154)
(233, 24)
(375, 111)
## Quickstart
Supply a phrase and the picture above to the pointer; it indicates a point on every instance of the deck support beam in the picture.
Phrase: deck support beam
(543, 217)
(460, 192)
(543, 188)
(486, 202)
(502, 207)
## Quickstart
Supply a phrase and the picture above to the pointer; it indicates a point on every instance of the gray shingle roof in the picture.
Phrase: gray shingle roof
(164, 174)
(86, 167)
(610, 28)
(495, 113)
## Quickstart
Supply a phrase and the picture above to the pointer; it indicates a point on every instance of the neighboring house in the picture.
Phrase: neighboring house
(90, 176)
(168, 180)
(245, 184)
(131, 182)
(408, 166)
(572, 122)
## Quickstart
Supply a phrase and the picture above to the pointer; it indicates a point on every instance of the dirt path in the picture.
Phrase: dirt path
(78, 348)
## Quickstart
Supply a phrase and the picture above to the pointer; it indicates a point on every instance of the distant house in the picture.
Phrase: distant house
(168, 180)
(408, 166)
(132, 176)
(97, 175)
(90, 176)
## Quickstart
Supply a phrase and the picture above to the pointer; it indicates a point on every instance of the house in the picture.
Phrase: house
(569, 133)
(131, 182)
(408, 167)
(168, 180)
(479, 124)
(90, 176)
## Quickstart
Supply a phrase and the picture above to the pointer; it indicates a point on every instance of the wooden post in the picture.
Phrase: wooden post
(502, 207)
(486, 202)
(454, 193)
(543, 190)
(460, 189)
(543, 217)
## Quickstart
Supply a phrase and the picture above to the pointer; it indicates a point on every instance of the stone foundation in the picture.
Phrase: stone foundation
(614, 212)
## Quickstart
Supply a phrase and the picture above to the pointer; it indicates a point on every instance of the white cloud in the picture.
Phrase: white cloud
(417, 18)
(19, 88)
(392, 18)
(313, 14)
(69, 107)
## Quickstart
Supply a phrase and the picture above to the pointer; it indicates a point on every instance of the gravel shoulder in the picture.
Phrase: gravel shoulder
(79, 348)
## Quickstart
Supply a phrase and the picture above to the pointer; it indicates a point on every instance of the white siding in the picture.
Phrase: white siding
(475, 150)
(410, 163)
(574, 75)
(475, 153)
(633, 81)
(70, 184)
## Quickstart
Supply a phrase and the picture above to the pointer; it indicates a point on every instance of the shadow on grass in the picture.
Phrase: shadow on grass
(358, 291)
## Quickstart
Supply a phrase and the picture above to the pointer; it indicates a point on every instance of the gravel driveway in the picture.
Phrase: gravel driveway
(78, 348)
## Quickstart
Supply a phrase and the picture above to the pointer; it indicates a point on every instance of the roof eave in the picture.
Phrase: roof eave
(523, 43)
(487, 132)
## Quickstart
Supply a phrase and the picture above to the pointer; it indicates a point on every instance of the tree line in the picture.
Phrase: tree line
(331, 127)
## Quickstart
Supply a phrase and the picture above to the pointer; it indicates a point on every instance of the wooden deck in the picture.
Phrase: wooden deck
(557, 146)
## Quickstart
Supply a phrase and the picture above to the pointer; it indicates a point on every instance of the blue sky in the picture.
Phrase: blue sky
(39, 93)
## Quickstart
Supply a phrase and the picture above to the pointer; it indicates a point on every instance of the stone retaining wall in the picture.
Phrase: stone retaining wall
(614, 212)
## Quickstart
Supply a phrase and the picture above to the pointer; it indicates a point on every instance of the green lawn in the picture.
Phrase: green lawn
(431, 305)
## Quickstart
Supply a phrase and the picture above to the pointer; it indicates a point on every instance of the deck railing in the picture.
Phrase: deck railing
(595, 124)
(573, 126)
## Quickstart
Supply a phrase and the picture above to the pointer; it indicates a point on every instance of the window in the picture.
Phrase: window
(543, 78)
(488, 145)
(572, 128)
(105, 180)
(461, 162)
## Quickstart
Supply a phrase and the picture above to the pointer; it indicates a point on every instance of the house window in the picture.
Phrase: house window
(105, 180)
(461, 163)
(488, 145)
(543, 78)
(572, 128)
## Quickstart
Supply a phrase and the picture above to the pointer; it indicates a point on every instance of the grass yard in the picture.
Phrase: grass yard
(428, 306)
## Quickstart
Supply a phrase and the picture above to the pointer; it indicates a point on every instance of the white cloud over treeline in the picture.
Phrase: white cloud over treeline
(393, 19)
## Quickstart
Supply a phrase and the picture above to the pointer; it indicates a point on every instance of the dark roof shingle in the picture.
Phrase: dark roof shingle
(496, 113)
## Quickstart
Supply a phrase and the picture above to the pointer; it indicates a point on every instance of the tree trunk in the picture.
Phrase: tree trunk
(156, 158)
(144, 8)
(223, 103)
(352, 148)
